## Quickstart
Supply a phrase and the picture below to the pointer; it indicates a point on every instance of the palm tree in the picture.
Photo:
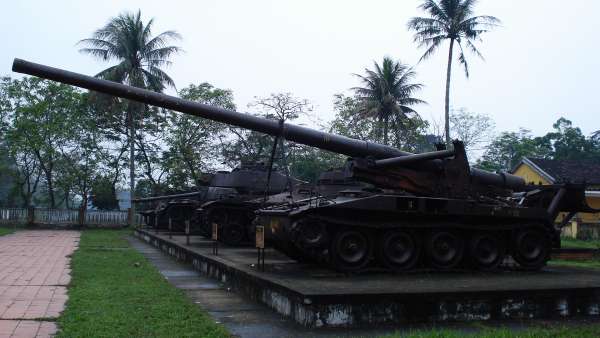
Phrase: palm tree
(451, 20)
(387, 93)
(127, 40)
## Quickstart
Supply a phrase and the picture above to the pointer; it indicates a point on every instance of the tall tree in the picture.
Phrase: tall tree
(193, 142)
(387, 93)
(569, 143)
(452, 21)
(506, 150)
(473, 129)
(44, 119)
(140, 56)
(409, 134)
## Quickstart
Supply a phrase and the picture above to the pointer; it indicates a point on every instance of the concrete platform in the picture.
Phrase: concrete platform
(317, 297)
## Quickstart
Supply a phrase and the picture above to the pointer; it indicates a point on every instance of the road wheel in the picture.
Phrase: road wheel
(399, 250)
(531, 248)
(445, 249)
(487, 250)
(350, 250)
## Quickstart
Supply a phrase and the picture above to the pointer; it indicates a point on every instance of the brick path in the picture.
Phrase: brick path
(34, 272)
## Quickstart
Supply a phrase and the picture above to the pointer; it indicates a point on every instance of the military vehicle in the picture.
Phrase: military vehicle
(234, 215)
(227, 193)
(178, 208)
(429, 210)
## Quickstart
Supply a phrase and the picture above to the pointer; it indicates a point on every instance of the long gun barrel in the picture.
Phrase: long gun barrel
(326, 141)
(167, 197)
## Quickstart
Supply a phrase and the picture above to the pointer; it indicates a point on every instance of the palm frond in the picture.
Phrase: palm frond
(432, 48)
(435, 10)
(127, 39)
(462, 59)
(161, 53)
(161, 40)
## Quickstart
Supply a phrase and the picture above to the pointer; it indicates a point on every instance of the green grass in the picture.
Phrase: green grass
(115, 292)
(6, 231)
(592, 263)
(579, 244)
(479, 330)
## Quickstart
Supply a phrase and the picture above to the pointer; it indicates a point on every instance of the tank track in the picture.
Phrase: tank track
(322, 241)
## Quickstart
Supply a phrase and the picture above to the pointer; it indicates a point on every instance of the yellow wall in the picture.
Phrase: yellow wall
(531, 176)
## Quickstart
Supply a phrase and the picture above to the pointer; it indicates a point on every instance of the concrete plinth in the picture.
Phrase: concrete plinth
(317, 297)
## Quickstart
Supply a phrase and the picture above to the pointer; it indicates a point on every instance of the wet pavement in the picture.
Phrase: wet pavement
(242, 317)
(34, 274)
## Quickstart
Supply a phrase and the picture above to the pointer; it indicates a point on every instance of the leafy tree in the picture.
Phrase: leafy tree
(44, 119)
(193, 142)
(387, 94)
(568, 142)
(308, 163)
(453, 21)
(103, 193)
(506, 150)
(6, 107)
(82, 157)
(565, 142)
(409, 134)
(140, 56)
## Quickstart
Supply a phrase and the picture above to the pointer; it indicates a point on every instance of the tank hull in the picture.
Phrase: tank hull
(404, 233)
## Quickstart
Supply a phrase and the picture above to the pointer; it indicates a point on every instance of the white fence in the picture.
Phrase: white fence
(64, 217)
(13, 215)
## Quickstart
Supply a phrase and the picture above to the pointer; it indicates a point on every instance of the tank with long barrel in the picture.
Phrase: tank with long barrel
(424, 211)
(233, 192)
(326, 141)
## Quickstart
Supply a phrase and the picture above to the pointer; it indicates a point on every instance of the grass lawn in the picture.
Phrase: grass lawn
(6, 231)
(592, 263)
(579, 244)
(115, 292)
(478, 330)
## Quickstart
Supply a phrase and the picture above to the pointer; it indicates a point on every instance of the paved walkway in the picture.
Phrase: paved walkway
(34, 272)
(242, 317)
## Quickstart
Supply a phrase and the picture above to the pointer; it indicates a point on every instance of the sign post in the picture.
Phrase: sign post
(215, 238)
(187, 232)
(260, 247)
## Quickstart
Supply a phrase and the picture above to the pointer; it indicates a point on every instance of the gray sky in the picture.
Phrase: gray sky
(540, 65)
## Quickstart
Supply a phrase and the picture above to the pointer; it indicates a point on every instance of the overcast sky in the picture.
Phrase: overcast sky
(540, 65)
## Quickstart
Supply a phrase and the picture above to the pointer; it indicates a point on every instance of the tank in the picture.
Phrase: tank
(234, 215)
(178, 208)
(230, 190)
(234, 212)
(423, 211)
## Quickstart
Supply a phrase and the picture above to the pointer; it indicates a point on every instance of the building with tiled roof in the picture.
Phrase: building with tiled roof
(545, 171)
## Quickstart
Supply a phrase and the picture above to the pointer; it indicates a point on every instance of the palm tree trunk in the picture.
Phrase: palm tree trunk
(385, 130)
(447, 101)
(130, 107)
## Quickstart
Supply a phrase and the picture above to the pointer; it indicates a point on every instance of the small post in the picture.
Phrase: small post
(260, 247)
(30, 216)
(187, 232)
(170, 229)
(155, 223)
(215, 238)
